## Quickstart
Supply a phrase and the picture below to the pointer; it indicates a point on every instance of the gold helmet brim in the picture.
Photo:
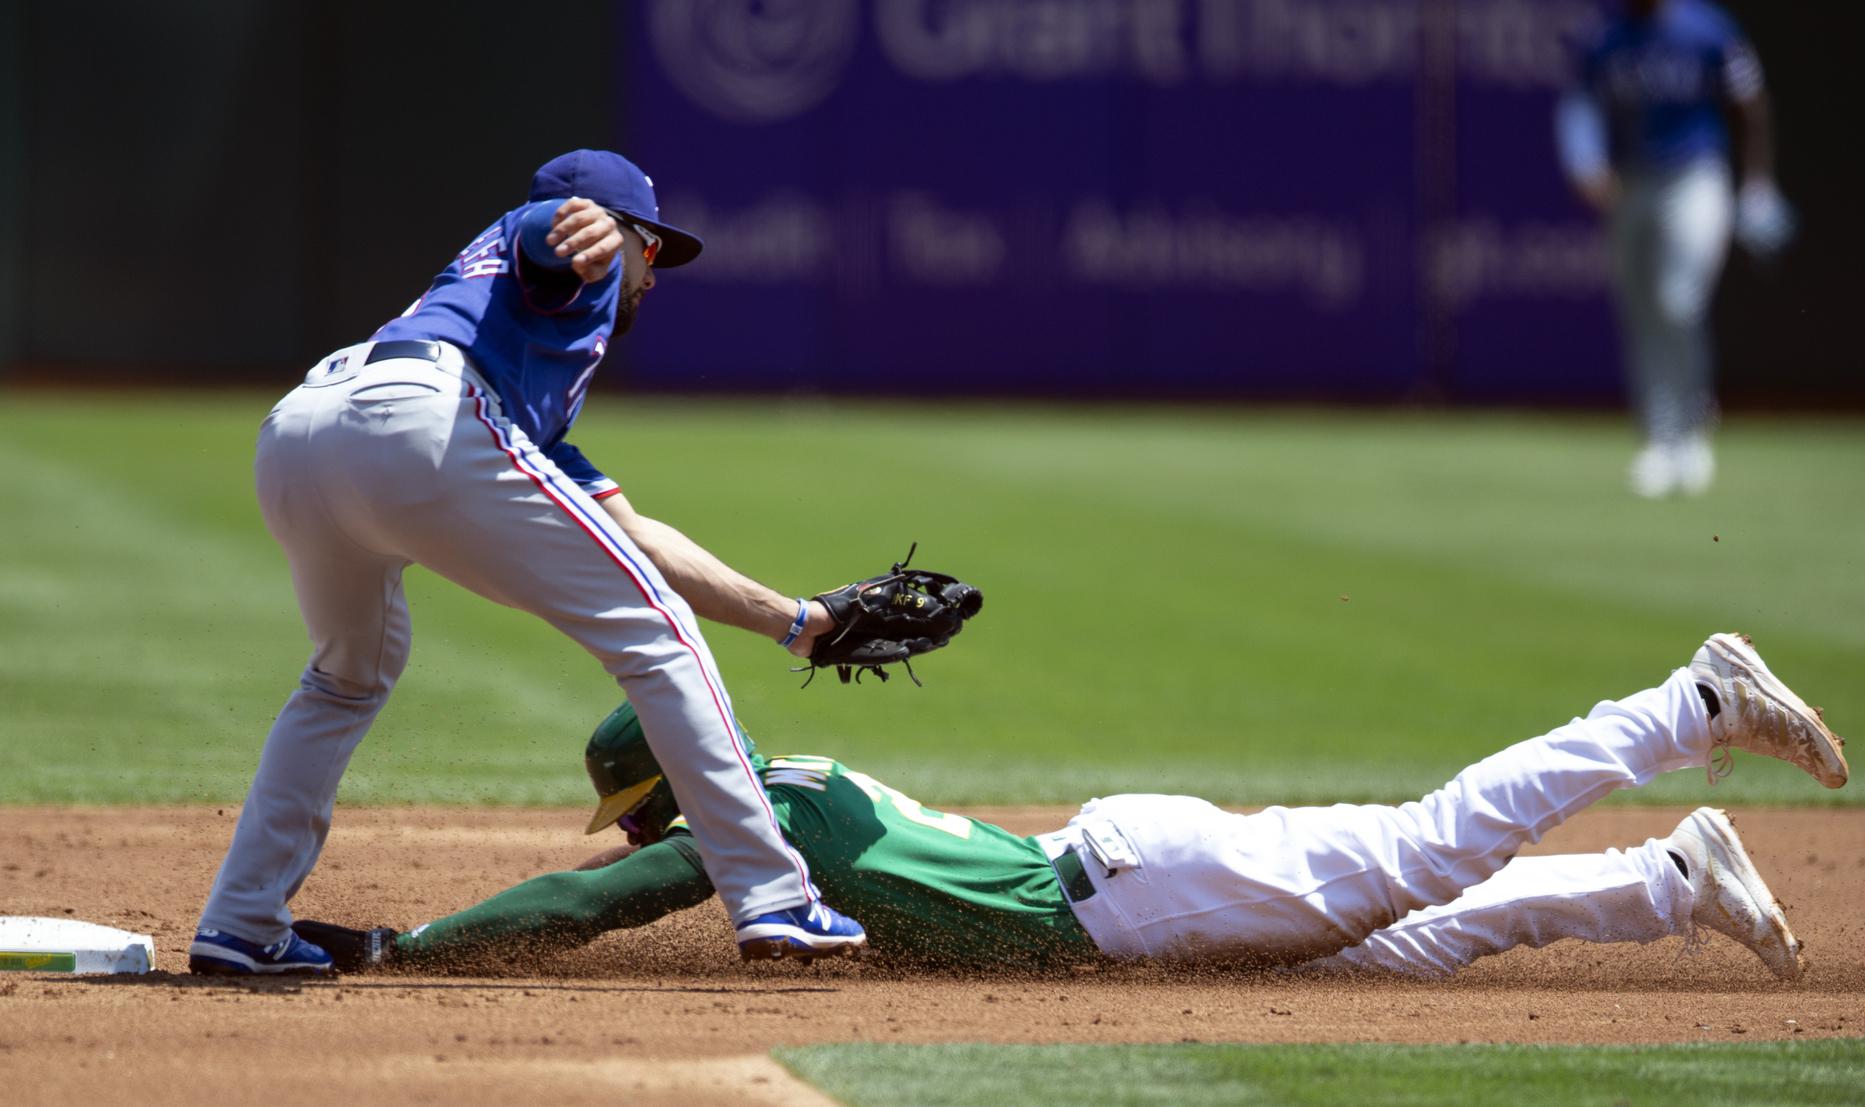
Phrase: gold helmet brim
(614, 806)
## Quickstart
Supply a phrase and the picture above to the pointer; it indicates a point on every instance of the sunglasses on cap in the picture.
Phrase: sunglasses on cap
(650, 242)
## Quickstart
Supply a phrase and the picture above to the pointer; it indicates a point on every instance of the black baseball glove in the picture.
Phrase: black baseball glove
(891, 618)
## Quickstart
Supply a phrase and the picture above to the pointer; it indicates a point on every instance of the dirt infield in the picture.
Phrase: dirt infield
(668, 1015)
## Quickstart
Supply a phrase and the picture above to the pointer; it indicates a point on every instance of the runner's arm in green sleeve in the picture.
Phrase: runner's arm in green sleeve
(560, 911)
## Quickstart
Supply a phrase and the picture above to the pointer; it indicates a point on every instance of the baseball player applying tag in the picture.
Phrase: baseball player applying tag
(442, 441)
(1421, 888)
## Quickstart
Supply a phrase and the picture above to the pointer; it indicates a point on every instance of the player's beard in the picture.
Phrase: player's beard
(625, 307)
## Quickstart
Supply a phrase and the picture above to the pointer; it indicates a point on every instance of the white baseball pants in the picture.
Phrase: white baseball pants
(1288, 885)
(1635, 895)
(1670, 235)
(365, 469)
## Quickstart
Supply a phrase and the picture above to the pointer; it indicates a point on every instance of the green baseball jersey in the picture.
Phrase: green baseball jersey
(923, 883)
(927, 885)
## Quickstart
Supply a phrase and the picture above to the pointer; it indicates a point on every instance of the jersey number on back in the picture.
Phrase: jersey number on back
(910, 809)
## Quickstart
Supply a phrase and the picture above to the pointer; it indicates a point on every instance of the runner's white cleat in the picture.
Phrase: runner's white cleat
(1762, 715)
(1731, 897)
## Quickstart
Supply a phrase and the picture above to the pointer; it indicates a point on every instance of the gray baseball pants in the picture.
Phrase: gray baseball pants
(1670, 235)
(365, 469)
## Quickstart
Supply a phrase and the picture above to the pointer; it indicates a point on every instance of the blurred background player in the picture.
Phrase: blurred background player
(1646, 139)
(1422, 888)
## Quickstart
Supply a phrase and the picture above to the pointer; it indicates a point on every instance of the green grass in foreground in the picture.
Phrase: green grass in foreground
(1254, 606)
(1192, 1075)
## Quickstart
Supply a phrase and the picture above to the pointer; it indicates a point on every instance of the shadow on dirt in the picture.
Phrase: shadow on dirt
(279, 985)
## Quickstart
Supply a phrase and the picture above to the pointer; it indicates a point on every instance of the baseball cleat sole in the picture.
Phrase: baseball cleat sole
(218, 963)
(788, 949)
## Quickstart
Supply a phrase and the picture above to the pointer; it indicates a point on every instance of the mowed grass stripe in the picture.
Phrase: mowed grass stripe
(1286, 561)
(148, 644)
(1707, 1075)
(1256, 607)
(1436, 491)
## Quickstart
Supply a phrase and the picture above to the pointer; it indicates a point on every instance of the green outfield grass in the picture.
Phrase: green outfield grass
(864, 1075)
(1256, 606)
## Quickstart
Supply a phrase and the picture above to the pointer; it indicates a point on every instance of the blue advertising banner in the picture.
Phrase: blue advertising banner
(1145, 198)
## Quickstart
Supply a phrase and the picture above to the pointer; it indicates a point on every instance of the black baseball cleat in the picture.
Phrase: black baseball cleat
(350, 950)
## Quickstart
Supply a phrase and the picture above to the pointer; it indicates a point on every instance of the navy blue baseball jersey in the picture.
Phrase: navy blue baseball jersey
(1662, 82)
(532, 330)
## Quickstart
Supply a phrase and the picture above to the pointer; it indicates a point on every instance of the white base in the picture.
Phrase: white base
(29, 944)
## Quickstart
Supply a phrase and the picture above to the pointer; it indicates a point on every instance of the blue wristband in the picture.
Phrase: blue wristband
(796, 628)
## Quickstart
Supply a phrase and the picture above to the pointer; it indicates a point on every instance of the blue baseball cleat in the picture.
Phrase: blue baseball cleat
(806, 931)
(218, 953)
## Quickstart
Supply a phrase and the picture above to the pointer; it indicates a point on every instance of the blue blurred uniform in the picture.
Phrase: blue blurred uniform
(1649, 109)
(1662, 81)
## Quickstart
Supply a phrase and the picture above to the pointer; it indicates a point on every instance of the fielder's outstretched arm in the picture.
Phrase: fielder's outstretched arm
(561, 911)
(715, 590)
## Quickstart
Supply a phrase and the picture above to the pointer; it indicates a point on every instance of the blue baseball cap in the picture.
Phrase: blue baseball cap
(620, 186)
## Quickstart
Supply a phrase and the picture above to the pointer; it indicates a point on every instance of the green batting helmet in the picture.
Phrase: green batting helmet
(625, 773)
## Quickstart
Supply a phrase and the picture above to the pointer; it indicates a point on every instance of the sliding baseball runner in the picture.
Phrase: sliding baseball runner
(1421, 888)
